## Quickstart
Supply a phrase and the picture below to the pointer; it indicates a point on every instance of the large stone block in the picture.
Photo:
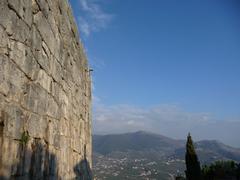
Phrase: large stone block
(12, 80)
(53, 135)
(15, 27)
(36, 39)
(13, 119)
(4, 41)
(37, 125)
(45, 30)
(23, 57)
(56, 71)
(23, 8)
(44, 80)
(35, 99)
(53, 109)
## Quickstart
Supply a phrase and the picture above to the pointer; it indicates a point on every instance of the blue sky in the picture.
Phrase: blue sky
(180, 59)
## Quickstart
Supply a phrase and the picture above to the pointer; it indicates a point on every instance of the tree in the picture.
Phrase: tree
(221, 170)
(193, 171)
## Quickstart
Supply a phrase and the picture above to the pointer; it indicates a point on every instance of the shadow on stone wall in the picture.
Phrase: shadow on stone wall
(83, 171)
(34, 163)
(37, 163)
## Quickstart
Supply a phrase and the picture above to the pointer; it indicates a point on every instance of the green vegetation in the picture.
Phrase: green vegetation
(193, 171)
(219, 170)
(24, 138)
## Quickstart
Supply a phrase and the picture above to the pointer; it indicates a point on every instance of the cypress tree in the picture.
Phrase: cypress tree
(193, 171)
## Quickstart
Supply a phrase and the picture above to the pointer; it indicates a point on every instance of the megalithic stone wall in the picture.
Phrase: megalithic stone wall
(45, 92)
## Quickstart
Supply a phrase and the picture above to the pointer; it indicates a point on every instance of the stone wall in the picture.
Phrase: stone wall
(45, 92)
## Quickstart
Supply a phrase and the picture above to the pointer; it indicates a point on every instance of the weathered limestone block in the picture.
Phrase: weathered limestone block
(56, 71)
(53, 135)
(22, 56)
(64, 104)
(13, 89)
(4, 41)
(4, 86)
(45, 92)
(45, 30)
(36, 39)
(37, 126)
(43, 60)
(44, 80)
(52, 108)
(36, 99)
(64, 129)
(14, 118)
(15, 27)
(43, 6)
(23, 9)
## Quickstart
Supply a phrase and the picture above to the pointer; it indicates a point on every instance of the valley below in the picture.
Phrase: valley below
(143, 155)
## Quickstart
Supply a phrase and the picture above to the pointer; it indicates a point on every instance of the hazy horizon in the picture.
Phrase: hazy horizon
(184, 139)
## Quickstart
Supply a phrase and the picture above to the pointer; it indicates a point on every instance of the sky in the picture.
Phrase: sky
(164, 66)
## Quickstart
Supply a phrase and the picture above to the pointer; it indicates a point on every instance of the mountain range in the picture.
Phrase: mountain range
(139, 149)
(142, 141)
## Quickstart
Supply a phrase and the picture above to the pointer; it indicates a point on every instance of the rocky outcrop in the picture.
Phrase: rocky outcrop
(45, 93)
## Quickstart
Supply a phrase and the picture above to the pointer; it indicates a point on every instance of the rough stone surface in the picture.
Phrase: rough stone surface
(45, 93)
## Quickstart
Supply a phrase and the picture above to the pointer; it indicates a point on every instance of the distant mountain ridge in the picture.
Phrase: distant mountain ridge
(138, 141)
(145, 142)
